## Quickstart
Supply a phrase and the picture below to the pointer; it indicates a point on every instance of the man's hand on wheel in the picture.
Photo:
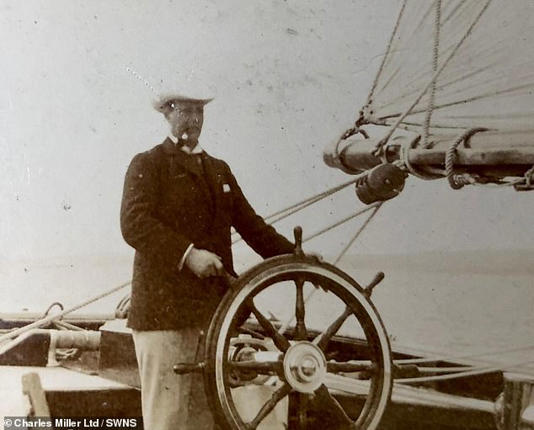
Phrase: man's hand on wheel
(204, 263)
(315, 255)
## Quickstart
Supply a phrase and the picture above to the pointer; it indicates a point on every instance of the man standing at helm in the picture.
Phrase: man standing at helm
(177, 209)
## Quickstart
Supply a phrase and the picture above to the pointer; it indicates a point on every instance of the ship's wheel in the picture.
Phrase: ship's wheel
(263, 373)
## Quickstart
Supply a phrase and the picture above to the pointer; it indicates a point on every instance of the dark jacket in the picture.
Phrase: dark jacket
(170, 201)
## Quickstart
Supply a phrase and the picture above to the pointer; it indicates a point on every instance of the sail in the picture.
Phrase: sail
(454, 65)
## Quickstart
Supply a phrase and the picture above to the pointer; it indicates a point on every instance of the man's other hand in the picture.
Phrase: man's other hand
(204, 263)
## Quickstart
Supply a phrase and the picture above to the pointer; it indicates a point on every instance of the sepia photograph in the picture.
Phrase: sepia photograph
(276, 214)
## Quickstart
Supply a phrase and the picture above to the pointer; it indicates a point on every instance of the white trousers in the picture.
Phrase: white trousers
(171, 401)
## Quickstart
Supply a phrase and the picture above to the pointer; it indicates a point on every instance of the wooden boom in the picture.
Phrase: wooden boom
(483, 156)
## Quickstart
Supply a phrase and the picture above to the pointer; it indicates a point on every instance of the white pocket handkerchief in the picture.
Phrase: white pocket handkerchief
(226, 188)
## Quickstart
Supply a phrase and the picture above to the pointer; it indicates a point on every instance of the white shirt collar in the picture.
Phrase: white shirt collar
(196, 150)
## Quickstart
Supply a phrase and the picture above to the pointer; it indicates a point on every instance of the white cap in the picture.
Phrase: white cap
(193, 88)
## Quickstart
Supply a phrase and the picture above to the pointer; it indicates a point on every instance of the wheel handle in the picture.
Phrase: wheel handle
(297, 232)
(184, 368)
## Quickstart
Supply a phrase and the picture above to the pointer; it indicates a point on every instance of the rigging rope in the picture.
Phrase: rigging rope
(290, 210)
(488, 94)
(444, 369)
(453, 358)
(453, 80)
(340, 222)
(380, 145)
(418, 71)
(388, 49)
(377, 206)
(325, 193)
(468, 373)
(435, 56)
(284, 213)
(415, 31)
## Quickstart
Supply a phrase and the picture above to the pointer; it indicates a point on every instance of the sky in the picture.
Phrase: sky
(288, 78)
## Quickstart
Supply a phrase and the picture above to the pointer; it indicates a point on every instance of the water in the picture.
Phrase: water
(31, 286)
(459, 313)
(447, 304)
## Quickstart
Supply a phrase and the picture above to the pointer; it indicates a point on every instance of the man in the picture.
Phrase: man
(177, 209)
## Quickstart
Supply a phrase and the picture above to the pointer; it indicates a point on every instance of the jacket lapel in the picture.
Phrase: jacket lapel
(192, 165)
(214, 181)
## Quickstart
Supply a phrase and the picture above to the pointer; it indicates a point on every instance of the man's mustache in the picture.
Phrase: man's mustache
(192, 127)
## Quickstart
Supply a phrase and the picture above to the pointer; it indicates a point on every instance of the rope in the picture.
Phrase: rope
(58, 304)
(458, 181)
(379, 147)
(388, 48)
(434, 125)
(377, 206)
(443, 86)
(404, 162)
(479, 371)
(280, 215)
(435, 56)
(290, 210)
(302, 202)
(416, 29)
(529, 176)
(351, 132)
(526, 183)
(453, 358)
(529, 85)
(444, 369)
(49, 319)
(63, 325)
(340, 222)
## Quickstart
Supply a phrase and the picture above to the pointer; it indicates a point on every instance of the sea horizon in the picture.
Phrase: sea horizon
(454, 302)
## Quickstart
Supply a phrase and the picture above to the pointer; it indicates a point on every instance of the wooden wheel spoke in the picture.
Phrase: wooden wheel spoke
(298, 411)
(300, 328)
(347, 367)
(280, 341)
(302, 412)
(329, 403)
(257, 366)
(322, 340)
(266, 409)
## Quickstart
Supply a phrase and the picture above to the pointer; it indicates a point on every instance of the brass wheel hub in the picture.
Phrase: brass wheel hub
(304, 367)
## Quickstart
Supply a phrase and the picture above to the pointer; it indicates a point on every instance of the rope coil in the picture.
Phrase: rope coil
(527, 183)
(457, 181)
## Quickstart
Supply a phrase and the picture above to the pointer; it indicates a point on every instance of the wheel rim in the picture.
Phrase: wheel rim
(303, 365)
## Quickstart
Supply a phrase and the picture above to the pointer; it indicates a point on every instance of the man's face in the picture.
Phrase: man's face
(185, 119)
